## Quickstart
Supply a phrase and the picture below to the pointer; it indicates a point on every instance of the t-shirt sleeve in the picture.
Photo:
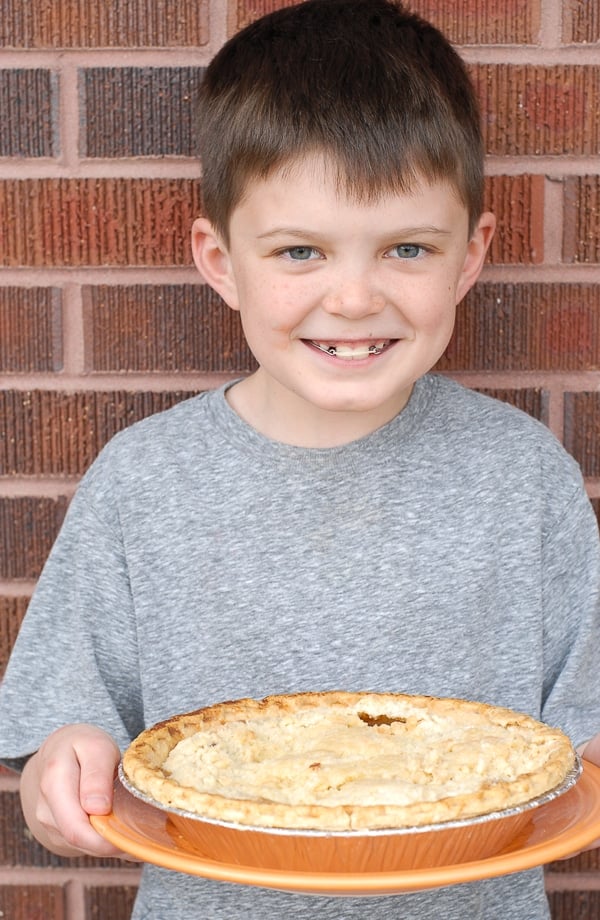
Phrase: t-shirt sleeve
(75, 659)
(571, 642)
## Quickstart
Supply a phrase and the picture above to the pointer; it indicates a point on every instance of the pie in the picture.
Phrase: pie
(343, 761)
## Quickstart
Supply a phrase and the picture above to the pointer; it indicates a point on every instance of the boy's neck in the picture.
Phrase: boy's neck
(290, 420)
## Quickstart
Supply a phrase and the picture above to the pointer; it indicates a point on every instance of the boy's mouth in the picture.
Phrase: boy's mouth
(349, 351)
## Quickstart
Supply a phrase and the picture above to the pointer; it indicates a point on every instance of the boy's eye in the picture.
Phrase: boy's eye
(406, 251)
(301, 253)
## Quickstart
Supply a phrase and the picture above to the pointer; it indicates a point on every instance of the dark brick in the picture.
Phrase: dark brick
(589, 860)
(520, 327)
(532, 110)
(463, 21)
(120, 222)
(32, 902)
(133, 112)
(581, 21)
(30, 330)
(12, 611)
(581, 237)
(162, 327)
(596, 506)
(575, 905)
(531, 400)
(55, 433)
(582, 430)
(114, 902)
(28, 528)
(28, 102)
(18, 847)
(118, 24)
(518, 203)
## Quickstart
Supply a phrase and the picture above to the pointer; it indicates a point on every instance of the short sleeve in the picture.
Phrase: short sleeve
(75, 659)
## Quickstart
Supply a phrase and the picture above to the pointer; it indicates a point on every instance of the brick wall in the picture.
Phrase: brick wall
(103, 320)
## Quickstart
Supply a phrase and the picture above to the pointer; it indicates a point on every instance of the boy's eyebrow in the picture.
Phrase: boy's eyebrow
(302, 233)
(285, 231)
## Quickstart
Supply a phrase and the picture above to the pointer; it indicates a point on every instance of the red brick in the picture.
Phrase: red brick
(463, 21)
(581, 237)
(575, 905)
(32, 902)
(12, 611)
(55, 433)
(114, 902)
(30, 329)
(522, 327)
(532, 110)
(479, 22)
(28, 102)
(582, 430)
(162, 327)
(120, 222)
(518, 203)
(581, 21)
(242, 12)
(28, 528)
(596, 506)
(131, 111)
(118, 24)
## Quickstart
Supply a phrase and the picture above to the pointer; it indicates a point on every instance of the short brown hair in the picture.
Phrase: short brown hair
(374, 88)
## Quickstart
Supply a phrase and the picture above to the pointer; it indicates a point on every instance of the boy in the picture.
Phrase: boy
(340, 518)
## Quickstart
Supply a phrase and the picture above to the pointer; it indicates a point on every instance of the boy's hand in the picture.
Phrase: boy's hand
(68, 779)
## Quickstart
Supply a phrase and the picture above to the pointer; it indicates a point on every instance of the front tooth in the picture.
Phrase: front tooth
(360, 351)
(346, 351)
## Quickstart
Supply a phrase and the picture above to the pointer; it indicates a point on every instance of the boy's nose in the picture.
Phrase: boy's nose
(354, 298)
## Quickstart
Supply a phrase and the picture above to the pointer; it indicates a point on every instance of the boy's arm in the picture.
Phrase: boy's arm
(68, 779)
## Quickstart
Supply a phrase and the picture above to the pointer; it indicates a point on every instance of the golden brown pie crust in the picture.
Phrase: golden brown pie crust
(340, 761)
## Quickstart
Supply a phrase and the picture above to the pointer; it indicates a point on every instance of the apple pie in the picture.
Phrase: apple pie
(342, 761)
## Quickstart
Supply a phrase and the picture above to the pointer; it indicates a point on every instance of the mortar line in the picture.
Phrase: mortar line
(553, 220)
(550, 34)
(69, 116)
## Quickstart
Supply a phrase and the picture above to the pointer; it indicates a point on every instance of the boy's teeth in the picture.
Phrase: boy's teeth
(350, 351)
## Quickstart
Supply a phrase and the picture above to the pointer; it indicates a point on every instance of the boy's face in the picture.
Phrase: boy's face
(344, 304)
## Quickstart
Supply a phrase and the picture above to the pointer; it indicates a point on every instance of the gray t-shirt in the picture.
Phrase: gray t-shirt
(451, 552)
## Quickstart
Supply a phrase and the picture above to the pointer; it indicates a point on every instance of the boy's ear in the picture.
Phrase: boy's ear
(476, 253)
(212, 261)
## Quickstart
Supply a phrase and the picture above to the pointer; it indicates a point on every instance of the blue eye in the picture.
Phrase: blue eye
(300, 253)
(407, 251)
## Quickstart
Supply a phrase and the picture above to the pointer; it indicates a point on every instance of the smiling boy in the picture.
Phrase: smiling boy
(341, 517)
(344, 303)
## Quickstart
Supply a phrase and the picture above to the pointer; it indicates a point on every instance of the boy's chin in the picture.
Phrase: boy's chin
(368, 403)
(366, 411)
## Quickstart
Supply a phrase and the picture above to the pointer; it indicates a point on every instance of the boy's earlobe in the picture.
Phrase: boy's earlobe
(211, 258)
(476, 252)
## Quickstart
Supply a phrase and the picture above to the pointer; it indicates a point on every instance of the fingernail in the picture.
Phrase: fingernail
(94, 803)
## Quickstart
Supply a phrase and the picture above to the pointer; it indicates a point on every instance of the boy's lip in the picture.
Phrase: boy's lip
(351, 348)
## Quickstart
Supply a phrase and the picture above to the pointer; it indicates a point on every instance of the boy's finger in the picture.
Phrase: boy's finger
(63, 814)
(97, 764)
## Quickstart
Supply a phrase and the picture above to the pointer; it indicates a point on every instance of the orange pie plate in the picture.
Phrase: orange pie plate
(556, 829)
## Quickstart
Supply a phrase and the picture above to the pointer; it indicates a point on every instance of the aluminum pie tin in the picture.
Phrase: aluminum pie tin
(353, 851)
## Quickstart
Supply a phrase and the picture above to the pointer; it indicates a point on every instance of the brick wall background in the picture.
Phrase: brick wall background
(103, 320)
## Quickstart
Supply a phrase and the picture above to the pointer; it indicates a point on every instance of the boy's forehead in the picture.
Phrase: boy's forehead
(318, 174)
